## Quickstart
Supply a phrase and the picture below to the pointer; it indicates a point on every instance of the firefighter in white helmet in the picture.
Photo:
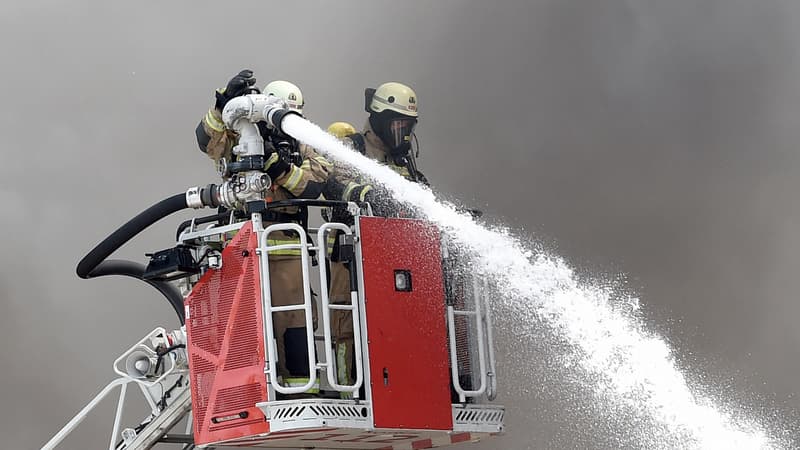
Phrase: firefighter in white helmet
(286, 145)
(297, 171)
(387, 138)
(289, 92)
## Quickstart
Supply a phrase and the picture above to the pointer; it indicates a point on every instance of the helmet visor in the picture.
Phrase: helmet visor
(399, 131)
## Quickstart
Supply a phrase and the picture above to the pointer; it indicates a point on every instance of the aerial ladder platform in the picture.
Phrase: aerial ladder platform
(424, 366)
(422, 371)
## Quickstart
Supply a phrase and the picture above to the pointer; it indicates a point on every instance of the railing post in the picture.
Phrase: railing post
(118, 416)
(491, 393)
(327, 307)
(482, 337)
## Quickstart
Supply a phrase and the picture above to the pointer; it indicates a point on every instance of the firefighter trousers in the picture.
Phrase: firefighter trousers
(286, 288)
(342, 324)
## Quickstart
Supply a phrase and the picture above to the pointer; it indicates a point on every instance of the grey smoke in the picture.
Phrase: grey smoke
(653, 139)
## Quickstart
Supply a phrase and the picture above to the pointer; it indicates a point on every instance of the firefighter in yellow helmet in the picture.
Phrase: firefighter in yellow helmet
(386, 138)
(297, 171)
(341, 129)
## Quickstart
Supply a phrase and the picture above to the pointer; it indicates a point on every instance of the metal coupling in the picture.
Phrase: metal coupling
(194, 198)
(244, 187)
(274, 115)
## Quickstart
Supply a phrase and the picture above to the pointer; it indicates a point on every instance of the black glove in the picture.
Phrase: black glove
(381, 202)
(422, 179)
(238, 85)
(475, 213)
(279, 167)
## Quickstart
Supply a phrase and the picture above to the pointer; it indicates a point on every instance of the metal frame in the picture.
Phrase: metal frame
(327, 307)
(295, 414)
(478, 418)
(313, 413)
(268, 309)
(72, 424)
(485, 338)
(168, 361)
(491, 390)
(161, 422)
(362, 312)
(355, 306)
(190, 233)
(180, 407)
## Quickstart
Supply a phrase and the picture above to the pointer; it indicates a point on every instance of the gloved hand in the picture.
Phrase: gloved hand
(380, 201)
(238, 85)
(276, 165)
(475, 213)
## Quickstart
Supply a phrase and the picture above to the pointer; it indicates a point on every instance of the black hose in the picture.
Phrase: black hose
(94, 264)
(136, 270)
(126, 232)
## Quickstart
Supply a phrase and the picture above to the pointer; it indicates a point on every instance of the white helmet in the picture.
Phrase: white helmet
(395, 97)
(287, 91)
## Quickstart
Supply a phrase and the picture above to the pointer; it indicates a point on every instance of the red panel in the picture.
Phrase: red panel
(226, 346)
(406, 330)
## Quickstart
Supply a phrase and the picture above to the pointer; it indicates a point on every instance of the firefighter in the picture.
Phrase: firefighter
(386, 138)
(341, 129)
(297, 171)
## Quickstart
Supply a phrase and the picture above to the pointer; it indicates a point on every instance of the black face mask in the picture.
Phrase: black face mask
(394, 129)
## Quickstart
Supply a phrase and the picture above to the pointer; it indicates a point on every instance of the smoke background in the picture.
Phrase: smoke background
(645, 138)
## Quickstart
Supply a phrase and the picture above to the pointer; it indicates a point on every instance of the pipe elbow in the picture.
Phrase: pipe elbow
(237, 108)
(250, 107)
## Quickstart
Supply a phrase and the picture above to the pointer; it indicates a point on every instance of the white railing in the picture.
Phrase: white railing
(141, 351)
(327, 307)
(491, 390)
(72, 424)
(192, 232)
(268, 309)
(485, 338)
(162, 417)
(329, 364)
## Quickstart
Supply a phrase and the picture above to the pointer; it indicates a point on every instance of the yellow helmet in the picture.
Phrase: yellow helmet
(392, 96)
(287, 91)
(341, 129)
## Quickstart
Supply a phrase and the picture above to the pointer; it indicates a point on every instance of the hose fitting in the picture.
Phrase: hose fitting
(275, 114)
(194, 198)
(234, 193)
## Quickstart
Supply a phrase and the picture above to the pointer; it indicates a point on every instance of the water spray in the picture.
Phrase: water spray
(628, 365)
